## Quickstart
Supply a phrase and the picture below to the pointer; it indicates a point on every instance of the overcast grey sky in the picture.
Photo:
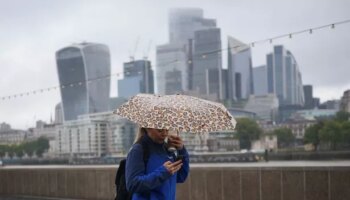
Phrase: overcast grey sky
(31, 31)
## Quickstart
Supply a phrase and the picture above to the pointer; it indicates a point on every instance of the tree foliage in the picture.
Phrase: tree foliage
(312, 134)
(332, 132)
(342, 116)
(285, 137)
(38, 146)
(247, 131)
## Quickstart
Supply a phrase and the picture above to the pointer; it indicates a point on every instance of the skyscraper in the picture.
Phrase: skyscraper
(309, 98)
(207, 66)
(240, 77)
(83, 71)
(260, 80)
(175, 67)
(171, 57)
(294, 84)
(183, 22)
(284, 77)
(58, 114)
(270, 73)
(138, 78)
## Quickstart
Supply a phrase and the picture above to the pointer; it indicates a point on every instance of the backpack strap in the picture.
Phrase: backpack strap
(120, 172)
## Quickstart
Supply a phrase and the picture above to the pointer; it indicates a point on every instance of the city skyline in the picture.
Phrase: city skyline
(29, 49)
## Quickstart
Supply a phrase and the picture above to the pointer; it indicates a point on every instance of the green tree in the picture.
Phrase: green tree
(342, 116)
(2, 150)
(345, 128)
(247, 131)
(42, 145)
(331, 133)
(19, 151)
(29, 148)
(11, 154)
(38, 146)
(312, 134)
(285, 137)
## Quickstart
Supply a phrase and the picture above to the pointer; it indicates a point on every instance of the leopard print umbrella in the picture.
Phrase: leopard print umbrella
(177, 112)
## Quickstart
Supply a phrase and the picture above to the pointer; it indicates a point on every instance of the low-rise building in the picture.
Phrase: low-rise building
(9, 136)
(222, 142)
(266, 141)
(95, 135)
(345, 101)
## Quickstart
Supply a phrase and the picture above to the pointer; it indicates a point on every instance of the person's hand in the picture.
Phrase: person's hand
(175, 141)
(173, 167)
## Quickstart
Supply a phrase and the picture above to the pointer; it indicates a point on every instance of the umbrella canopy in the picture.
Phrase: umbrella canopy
(177, 112)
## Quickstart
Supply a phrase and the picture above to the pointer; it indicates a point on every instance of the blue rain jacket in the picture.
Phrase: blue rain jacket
(154, 182)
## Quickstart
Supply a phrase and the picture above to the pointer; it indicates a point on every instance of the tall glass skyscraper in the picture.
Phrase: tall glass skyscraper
(138, 78)
(183, 22)
(240, 77)
(175, 63)
(171, 58)
(309, 97)
(260, 80)
(83, 72)
(207, 66)
(284, 77)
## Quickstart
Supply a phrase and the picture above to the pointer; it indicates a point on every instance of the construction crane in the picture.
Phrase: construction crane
(146, 52)
(132, 55)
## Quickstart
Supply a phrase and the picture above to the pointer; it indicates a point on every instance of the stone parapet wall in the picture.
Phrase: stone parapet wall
(204, 183)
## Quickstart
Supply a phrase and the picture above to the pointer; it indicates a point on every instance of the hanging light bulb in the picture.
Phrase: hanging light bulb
(290, 36)
(333, 26)
(204, 56)
(252, 44)
(310, 31)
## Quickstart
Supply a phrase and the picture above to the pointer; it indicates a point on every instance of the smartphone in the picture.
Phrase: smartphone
(179, 157)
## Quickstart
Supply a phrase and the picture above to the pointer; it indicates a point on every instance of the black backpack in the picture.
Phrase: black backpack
(120, 181)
